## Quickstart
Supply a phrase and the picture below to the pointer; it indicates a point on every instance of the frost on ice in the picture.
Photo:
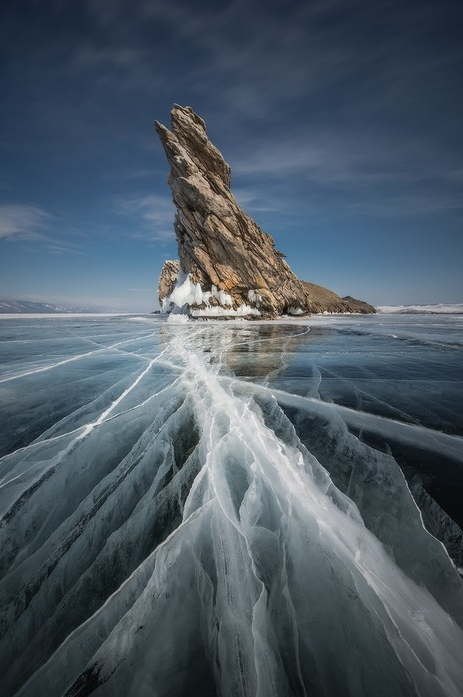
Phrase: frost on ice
(187, 531)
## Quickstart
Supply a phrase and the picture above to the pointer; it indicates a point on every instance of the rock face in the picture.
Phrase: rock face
(358, 305)
(320, 299)
(226, 260)
(168, 280)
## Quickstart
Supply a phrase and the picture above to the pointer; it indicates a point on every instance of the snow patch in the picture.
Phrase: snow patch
(177, 318)
(254, 297)
(295, 311)
(215, 311)
(187, 293)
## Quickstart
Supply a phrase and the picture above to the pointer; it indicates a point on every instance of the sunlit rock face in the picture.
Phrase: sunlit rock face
(167, 280)
(320, 299)
(219, 245)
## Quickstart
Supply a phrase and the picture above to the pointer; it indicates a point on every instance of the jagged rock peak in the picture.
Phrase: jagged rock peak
(227, 263)
(189, 136)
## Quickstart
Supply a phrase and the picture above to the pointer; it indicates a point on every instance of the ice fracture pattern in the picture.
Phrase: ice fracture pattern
(231, 509)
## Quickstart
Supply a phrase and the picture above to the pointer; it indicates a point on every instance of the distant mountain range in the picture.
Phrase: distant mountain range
(29, 307)
(436, 309)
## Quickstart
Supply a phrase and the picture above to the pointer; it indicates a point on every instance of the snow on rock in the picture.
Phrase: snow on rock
(217, 311)
(188, 297)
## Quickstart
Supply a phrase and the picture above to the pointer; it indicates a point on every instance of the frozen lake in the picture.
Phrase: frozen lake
(231, 508)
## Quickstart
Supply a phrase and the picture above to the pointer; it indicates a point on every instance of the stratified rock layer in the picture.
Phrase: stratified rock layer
(219, 245)
(167, 279)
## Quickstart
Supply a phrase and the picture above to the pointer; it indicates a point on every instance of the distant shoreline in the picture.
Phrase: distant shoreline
(56, 315)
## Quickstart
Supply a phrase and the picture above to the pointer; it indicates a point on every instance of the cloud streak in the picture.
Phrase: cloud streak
(151, 216)
(23, 222)
(36, 227)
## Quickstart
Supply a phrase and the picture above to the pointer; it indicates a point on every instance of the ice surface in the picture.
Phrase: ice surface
(230, 509)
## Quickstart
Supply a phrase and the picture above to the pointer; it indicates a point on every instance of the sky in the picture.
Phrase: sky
(341, 121)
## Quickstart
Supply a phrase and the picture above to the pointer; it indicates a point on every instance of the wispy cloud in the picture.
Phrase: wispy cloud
(347, 161)
(325, 159)
(141, 173)
(252, 199)
(122, 68)
(23, 222)
(405, 205)
(89, 56)
(36, 228)
(152, 216)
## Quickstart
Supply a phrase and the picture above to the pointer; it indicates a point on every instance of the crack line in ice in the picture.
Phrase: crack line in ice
(149, 560)
(66, 360)
(436, 441)
(85, 431)
(38, 444)
(363, 393)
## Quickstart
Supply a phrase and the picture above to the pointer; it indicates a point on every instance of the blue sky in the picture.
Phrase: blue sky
(341, 121)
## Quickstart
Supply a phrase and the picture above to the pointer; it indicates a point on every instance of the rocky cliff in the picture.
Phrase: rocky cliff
(168, 280)
(228, 265)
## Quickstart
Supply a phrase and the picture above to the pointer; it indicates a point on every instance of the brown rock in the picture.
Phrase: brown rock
(320, 299)
(167, 280)
(219, 245)
(358, 305)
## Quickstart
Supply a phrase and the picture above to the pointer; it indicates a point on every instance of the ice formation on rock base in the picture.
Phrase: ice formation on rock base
(189, 298)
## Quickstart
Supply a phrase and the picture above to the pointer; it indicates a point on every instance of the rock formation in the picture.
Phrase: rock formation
(167, 280)
(358, 305)
(228, 265)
